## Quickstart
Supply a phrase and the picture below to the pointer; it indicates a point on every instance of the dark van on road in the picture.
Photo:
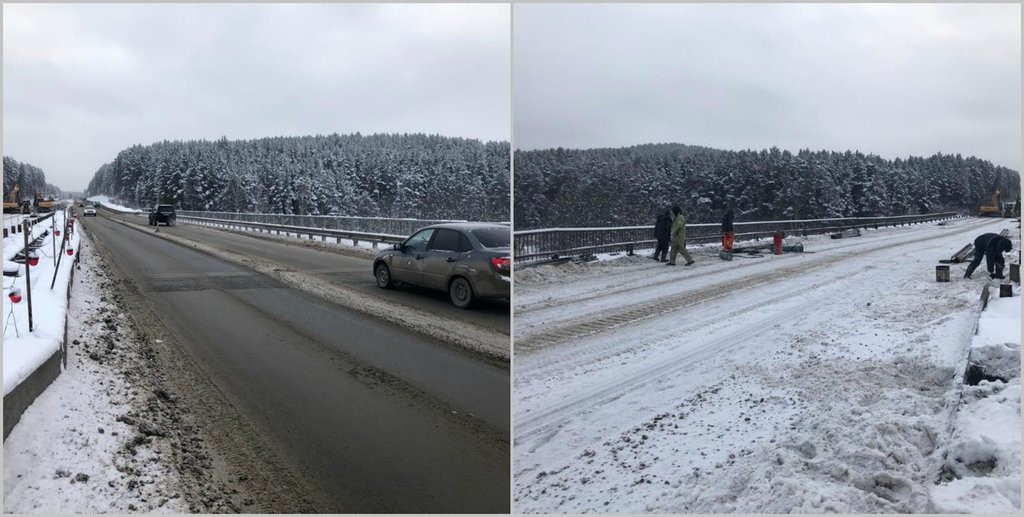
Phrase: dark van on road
(162, 214)
(467, 260)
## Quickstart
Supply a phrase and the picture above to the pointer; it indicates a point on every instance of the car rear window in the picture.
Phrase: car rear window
(492, 237)
(165, 208)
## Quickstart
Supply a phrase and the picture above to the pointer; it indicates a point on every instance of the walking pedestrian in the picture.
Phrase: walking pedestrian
(679, 238)
(663, 232)
(991, 247)
(728, 234)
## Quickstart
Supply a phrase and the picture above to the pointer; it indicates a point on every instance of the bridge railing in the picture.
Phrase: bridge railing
(356, 237)
(548, 243)
(373, 230)
(374, 225)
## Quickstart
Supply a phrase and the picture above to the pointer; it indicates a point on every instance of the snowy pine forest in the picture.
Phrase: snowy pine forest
(29, 178)
(628, 186)
(380, 175)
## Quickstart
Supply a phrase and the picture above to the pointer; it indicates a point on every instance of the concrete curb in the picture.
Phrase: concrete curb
(23, 395)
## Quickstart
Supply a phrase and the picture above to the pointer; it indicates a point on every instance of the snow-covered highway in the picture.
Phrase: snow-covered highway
(801, 382)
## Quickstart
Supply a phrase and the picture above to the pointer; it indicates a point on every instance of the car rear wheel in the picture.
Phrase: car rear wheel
(461, 293)
(383, 275)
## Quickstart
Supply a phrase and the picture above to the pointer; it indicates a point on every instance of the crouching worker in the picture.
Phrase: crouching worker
(991, 247)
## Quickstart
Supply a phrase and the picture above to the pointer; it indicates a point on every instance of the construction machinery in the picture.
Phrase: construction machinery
(1012, 208)
(11, 202)
(43, 205)
(993, 209)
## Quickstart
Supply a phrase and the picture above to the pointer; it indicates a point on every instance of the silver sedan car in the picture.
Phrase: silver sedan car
(468, 260)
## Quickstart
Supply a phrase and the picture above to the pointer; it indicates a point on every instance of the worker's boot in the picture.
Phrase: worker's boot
(664, 256)
(998, 274)
(970, 270)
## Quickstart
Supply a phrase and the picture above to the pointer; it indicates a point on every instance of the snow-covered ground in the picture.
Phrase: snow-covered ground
(982, 468)
(811, 382)
(107, 436)
(23, 350)
(105, 201)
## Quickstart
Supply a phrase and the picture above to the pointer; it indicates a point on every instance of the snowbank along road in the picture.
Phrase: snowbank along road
(365, 415)
(801, 382)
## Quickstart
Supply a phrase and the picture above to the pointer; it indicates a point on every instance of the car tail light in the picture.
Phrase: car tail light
(501, 264)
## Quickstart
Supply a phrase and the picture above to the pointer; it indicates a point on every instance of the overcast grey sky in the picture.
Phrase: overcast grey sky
(82, 82)
(895, 80)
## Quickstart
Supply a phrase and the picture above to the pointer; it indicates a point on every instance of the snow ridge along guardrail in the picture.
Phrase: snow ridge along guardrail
(547, 243)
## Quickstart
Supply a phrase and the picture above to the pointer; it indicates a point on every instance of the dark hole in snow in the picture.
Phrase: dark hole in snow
(976, 373)
(983, 468)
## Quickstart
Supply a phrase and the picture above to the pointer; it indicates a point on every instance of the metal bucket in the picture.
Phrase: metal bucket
(942, 273)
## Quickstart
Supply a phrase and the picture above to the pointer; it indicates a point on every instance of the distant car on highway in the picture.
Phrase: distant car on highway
(467, 260)
(89, 210)
(162, 214)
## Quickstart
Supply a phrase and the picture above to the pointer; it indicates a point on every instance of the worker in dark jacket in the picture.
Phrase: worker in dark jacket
(663, 232)
(991, 247)
(728, 234)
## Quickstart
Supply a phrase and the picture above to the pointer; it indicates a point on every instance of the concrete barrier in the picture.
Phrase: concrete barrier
(24, 394)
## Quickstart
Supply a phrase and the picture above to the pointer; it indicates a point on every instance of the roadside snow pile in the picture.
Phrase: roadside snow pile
(981, 473)
(105, 201)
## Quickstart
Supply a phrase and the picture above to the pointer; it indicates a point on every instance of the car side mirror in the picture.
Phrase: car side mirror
(400, 246)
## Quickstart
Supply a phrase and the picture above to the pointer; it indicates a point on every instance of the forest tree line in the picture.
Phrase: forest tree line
(629, 186)
(380, 175)
(29, 179)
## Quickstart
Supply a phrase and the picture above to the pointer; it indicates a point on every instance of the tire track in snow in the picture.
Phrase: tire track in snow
(544, 423)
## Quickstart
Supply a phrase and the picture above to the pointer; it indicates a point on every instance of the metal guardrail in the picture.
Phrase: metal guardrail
(534, 245)
(11, 229)
(357, 229)
(371, 225)
(355, 236)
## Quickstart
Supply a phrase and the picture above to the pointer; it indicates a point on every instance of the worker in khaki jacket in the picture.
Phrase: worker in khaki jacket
(679, 238)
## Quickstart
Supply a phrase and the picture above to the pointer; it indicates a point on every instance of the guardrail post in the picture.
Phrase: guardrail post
(28, 277)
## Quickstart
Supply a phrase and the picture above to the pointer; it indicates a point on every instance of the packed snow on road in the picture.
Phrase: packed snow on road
(823, 381)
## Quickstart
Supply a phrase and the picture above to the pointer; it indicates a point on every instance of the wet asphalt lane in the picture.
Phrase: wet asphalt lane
(353, 272)
(378, 418)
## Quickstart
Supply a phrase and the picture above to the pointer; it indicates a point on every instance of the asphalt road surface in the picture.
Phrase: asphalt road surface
(377, 418)
(353, 272)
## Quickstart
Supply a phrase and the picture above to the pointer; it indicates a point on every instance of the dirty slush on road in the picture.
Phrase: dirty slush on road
(163, 422)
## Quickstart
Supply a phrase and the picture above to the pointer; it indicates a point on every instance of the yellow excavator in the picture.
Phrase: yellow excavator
(11, 202)
(992, 210)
